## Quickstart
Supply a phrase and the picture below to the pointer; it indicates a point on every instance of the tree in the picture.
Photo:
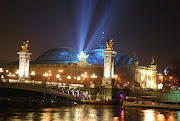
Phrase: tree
(175, 70)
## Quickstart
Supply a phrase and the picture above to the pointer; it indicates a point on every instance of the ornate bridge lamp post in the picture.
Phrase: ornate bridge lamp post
(46, 76)
(68, 77)
(59, 78)
(94, 76)
(78, 78)
(1, 71)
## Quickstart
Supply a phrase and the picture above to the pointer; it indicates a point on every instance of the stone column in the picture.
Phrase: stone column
(24, 58)
(108, 70)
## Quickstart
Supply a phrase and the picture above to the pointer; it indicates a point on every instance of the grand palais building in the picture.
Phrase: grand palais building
(62, 65)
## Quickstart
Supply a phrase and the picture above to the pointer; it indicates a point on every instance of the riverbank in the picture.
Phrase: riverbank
(149, 104)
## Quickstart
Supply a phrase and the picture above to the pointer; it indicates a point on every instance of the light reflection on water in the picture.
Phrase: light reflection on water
(87, 113)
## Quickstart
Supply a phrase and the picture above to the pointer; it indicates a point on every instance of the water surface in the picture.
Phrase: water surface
(81, 112)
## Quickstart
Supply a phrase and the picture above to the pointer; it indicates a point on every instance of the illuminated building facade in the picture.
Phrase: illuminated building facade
(63, 65)
(133, 74)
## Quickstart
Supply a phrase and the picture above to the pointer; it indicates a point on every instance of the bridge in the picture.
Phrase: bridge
(42, 88)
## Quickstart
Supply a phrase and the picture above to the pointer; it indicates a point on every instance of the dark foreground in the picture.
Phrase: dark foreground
(82, 112)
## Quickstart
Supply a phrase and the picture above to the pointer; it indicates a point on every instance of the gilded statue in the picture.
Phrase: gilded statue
(152, 61)
(109, 44)
(134, 56)
(25, 45)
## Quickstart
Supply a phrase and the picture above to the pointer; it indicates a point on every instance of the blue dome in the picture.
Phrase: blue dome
(97, 57)
(125, 60)
(58, 56)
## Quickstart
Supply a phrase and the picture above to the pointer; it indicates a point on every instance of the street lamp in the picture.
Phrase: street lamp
(60, 70)
(33, 74)
(78, 78)
(45, 74)
(68, 77)
(94, 76)
(1, 71)
(11, 75)
(17, 72)
(59, 78)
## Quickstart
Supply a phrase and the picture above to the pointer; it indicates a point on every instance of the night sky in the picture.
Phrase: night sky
(147, 27)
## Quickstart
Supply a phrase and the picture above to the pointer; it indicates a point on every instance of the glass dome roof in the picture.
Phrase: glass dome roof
(97, 57)
(65, 55)
(58, 56)
(125, 60)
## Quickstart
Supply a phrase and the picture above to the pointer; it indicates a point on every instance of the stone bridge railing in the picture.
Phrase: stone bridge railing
(38, 88)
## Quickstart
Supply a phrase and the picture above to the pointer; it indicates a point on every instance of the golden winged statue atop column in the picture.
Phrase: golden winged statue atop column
(109, 44)
(25, 45)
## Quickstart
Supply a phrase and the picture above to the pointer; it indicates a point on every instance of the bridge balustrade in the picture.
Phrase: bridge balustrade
(40, 87)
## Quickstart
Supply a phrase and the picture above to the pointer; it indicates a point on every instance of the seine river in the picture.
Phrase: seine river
(81, 112)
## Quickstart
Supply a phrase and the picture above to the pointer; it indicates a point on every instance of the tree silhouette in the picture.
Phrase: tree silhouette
(175, 70)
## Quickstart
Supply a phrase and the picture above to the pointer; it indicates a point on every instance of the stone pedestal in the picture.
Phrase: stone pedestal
(108, 93)
(24, 57)
(108, 74)
(82, 64)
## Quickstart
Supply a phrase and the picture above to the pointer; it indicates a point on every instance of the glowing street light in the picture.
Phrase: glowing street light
(60, 70)
(33, 73)
(11, 75)
(94, 76)
(1, 70)
(17, 72)
(68, 77)
(78, 78)
(50, 74)
(58, 76)
(45, 74)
